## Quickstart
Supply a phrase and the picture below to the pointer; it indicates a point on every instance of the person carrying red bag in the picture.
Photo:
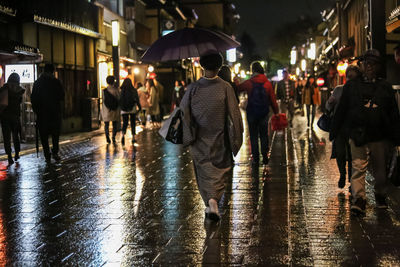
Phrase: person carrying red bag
(261, 97)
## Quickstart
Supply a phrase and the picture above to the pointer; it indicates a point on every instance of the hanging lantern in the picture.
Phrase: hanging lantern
(341, 68)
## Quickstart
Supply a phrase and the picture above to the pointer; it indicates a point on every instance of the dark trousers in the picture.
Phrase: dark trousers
(107, 128)
(125, 121)
(49, 127)
(11, 128)
(343, 155)
(310, 114)
(258, 128)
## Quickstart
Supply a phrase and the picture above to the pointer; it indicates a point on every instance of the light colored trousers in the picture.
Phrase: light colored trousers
(373, 156)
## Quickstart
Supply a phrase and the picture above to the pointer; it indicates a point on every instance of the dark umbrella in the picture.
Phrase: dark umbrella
(187, 43)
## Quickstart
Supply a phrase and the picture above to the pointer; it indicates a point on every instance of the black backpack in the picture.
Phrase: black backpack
(110, 101)
(258, 102)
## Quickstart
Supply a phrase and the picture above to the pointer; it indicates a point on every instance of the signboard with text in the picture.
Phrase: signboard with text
(26, 72)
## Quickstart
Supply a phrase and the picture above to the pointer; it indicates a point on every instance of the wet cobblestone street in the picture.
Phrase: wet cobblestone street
(114, 205)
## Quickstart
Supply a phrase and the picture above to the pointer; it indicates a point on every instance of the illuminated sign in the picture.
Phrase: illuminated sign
(320, 82)
(166, 32)
(26, 72)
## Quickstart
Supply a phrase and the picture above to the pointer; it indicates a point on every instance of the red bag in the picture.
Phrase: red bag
(279, 122)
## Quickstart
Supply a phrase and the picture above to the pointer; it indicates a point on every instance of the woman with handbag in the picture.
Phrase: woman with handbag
(10, 116)
(130, 105)
(311, 98)
(340, 145)
(154, 108)
(110, 110)
(212, 128)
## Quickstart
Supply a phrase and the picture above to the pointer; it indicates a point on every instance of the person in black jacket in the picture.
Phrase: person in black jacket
(130, 105)
(10, 116)
(369, 113)
(47, 96)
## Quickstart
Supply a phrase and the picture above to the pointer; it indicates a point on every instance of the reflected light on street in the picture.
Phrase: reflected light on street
(140, 179)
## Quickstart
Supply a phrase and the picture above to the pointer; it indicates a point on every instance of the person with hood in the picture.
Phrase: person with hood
(212, 128)
(110, 110)
(261, 97)
(130, 105)
(47, 97)
(368, 112)
(10, 116)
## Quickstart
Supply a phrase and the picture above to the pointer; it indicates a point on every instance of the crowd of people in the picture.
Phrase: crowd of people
(365, 124)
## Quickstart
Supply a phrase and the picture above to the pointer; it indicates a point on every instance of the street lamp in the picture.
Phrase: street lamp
(115, 48)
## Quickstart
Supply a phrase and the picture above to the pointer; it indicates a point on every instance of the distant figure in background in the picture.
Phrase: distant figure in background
(154, 107)
(110, 110)
(340, 145)
(143, 96)
(310, 97)
(177, 95)
(47, 97)
(10, 116)
(226, 75)
(130, 105)
(285, 94)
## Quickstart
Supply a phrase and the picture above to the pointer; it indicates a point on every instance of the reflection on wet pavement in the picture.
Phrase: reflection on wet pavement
(139, 205)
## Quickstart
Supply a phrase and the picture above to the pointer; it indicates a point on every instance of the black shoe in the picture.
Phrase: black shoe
(123, 140)
(56, 157)
(381, 202)
(10, 160)
(342, 181)
(108, 139)
(358, 207)
(16, 157)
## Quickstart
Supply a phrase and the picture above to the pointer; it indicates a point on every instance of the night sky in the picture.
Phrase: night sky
(261, 18)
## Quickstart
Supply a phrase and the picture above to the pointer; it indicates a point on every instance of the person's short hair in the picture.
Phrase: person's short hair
(13, 78)
(256, 67)
(110, 80)
(211, 61)
(354, 68)
(49, 68)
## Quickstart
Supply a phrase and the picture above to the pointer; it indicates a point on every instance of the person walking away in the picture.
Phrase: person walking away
(261, 97)
(47, 98)
(110, 110)
(130, 106)
(177, 95)
(285, 93)
(225, 74)
(210, 103)
(10, 116)
(143, 96)
(369, 111)
(154, 107)
(340, 145)
(310, 98)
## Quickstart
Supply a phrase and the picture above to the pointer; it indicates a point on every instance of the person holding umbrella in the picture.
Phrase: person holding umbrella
(10, 116)
(47, 96)
(209, 104)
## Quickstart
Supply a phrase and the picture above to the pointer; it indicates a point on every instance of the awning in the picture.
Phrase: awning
(12, 51)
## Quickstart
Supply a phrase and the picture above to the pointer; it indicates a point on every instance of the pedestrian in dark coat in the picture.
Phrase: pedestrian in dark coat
(340, 145)
(10, 116)
(130, 106)
(369, 112)
(177, 95)
(47, 99)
